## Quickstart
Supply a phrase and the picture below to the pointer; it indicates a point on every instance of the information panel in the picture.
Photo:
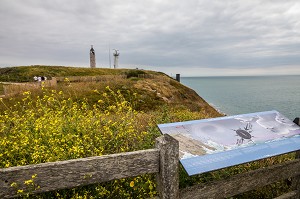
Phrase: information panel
(211, 144)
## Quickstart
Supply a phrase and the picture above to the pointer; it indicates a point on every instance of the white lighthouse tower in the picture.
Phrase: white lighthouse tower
(116, 59)
(92, 57)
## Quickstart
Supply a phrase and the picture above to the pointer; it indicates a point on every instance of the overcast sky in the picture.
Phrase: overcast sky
(193, 38)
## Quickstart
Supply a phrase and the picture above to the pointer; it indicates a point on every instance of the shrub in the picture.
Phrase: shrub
(134, 73)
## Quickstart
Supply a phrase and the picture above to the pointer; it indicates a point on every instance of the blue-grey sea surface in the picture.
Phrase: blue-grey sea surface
(249, 94)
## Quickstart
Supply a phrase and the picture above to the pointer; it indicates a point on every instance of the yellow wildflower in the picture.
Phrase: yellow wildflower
(28, 182)
(20, 191)
(132, 184)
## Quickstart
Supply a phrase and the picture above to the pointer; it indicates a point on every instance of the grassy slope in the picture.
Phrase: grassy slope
(153, 93)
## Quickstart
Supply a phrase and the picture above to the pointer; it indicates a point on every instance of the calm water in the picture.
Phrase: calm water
(239, 95)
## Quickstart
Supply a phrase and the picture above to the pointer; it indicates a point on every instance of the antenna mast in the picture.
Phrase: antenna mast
(109, 55)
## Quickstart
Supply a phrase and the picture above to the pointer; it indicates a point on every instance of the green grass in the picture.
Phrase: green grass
(26, 73)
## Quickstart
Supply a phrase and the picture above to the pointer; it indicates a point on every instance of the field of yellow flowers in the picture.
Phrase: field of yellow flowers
(53, 126)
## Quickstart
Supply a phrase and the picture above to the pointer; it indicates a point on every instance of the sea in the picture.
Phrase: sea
(249, 94)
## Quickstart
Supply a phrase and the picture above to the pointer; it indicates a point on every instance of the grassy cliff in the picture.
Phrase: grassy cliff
(154, 89)
(80, 119)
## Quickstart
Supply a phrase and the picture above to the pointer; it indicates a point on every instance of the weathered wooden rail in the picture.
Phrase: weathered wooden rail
(98, 78)
(163, 160)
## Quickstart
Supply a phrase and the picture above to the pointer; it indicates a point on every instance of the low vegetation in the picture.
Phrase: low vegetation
(86, 119)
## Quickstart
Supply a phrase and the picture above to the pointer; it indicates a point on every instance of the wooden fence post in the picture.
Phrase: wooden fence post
(168, 176)
(296, 180)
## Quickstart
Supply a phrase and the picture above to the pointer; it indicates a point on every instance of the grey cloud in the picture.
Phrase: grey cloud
(205, 34)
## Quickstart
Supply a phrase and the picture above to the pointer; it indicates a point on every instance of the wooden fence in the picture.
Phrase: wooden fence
(162, 160)
(16, 88)
(99, 78)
